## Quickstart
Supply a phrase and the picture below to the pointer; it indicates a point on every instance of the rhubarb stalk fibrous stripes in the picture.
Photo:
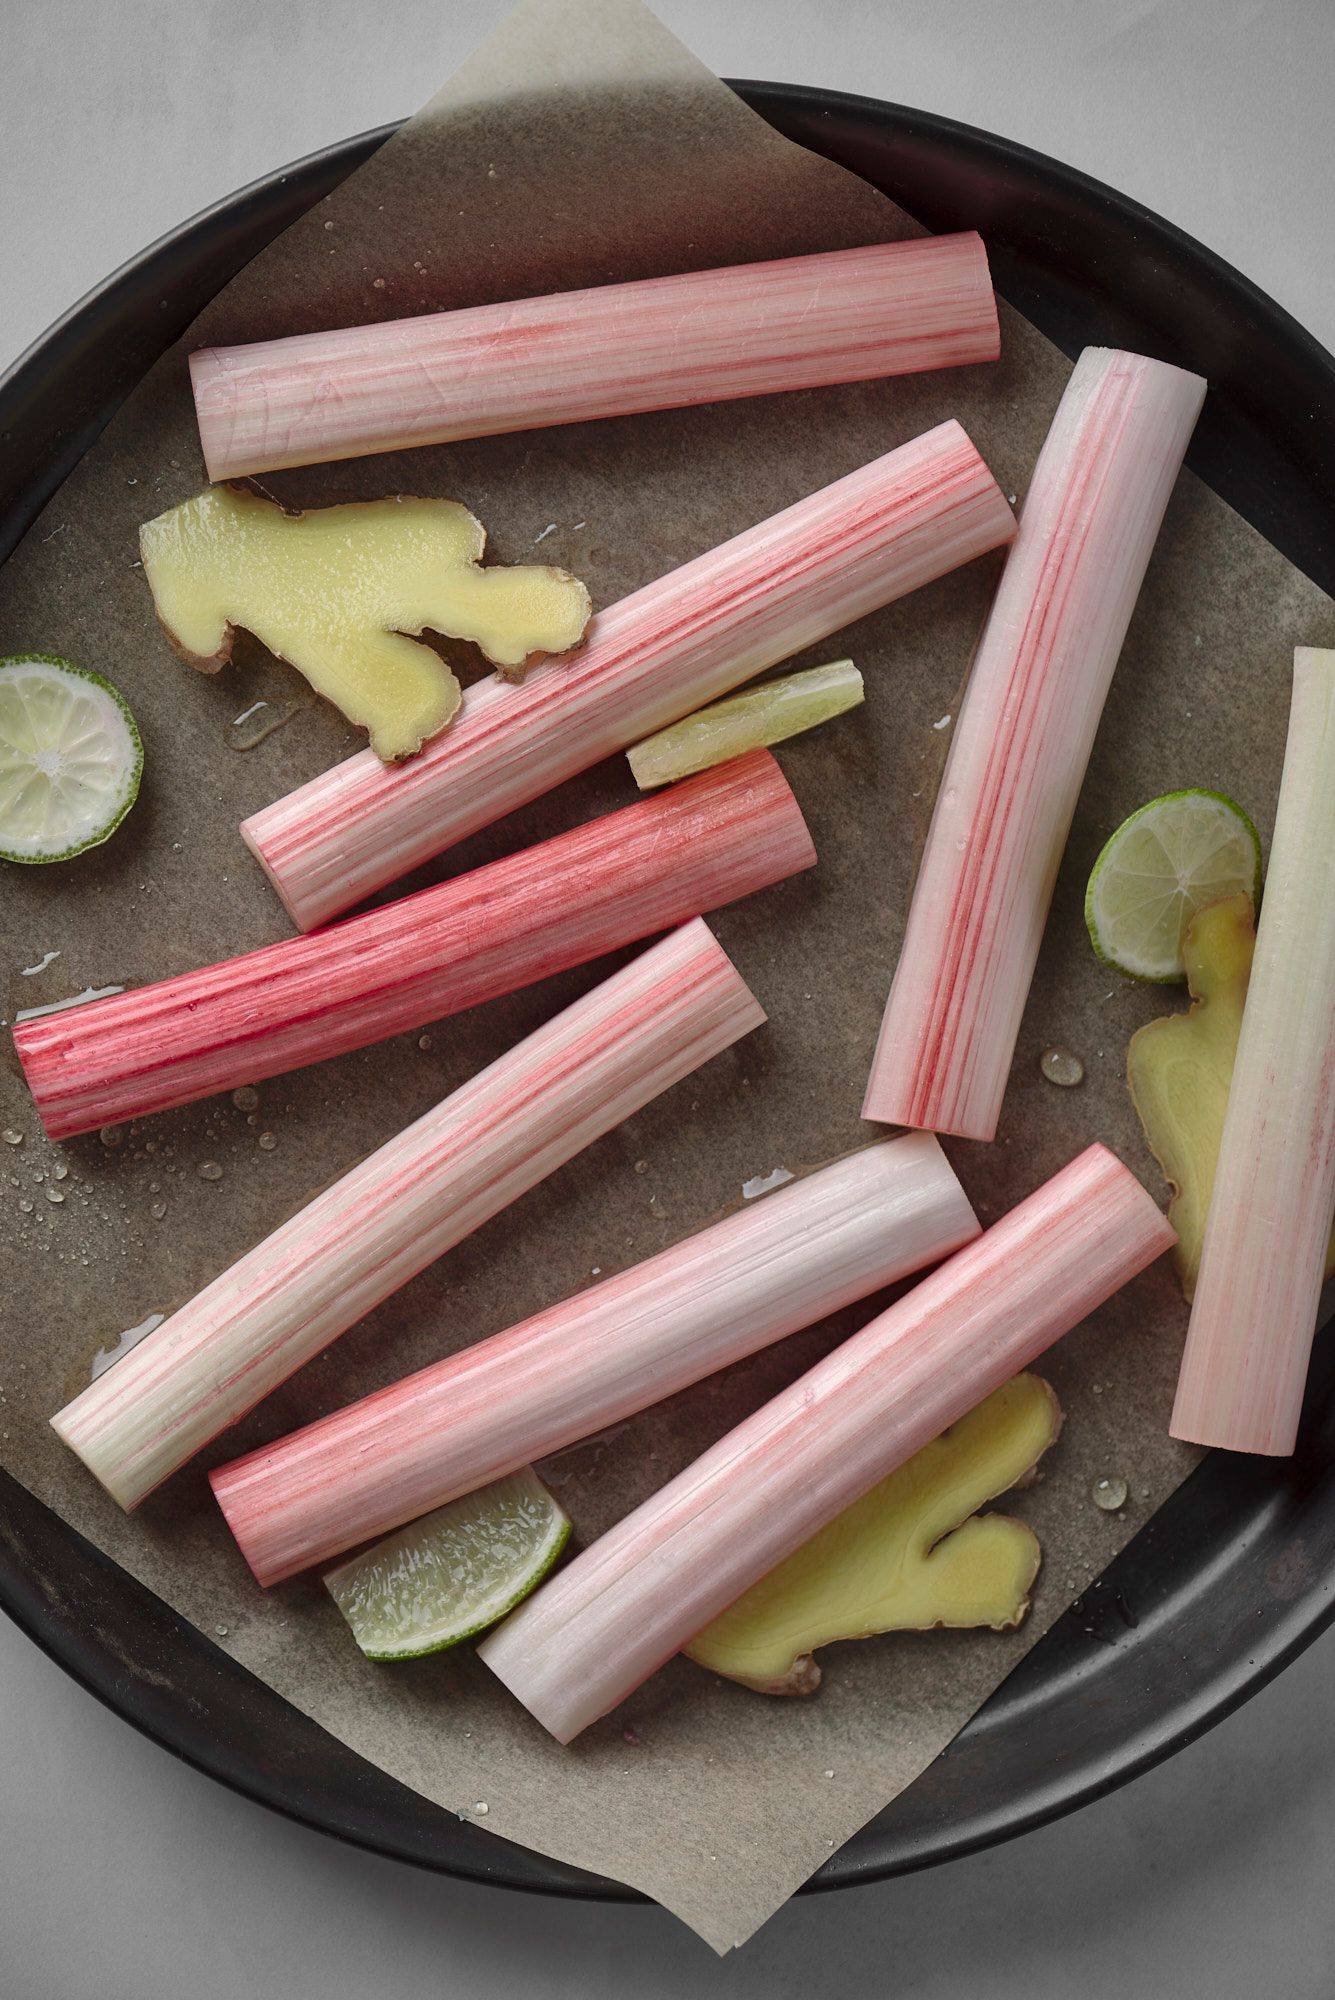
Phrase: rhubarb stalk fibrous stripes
(597, 1630)
(653, 344)
(514, 1123)
(1023, 739)
(1262, 1260)
(620, 878)
(698, 632)
(777, 1265)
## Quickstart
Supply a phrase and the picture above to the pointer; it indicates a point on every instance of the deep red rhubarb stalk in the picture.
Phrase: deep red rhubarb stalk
(1266, 1235)
(591, 1067)
(1023, 739)
(656, 344)
(778, 1265)
(622, 877)
(705, 628)
(601, 1627)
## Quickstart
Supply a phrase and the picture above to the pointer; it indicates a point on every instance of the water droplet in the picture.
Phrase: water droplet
(11, 1137)
(209, 1170)
(1059, 1066)
(26, 1205)
(480, 1806)
(828, 1774)
(266, 1142)
(424, 1043)
(61, 1171)
(254, 724)
(221, 1630)
(641, 1166)
(112, 1135)
(246, 1098)
(158, 1210)
(54, 1196)
(1109, 1493)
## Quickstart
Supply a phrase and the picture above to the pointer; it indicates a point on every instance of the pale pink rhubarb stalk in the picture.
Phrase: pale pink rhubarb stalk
(778, 1265)
(601, 1627)
(705, 628)
(591, 1067)
(1262, 1260)
(655, 344)
(1023, 739)
(617, 879)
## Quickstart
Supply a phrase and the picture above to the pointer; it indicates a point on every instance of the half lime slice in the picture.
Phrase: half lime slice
(454, 1573)
(70, 758)
(1162, 865)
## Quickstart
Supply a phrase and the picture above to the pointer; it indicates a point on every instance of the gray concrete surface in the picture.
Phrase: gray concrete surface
(125, 1876)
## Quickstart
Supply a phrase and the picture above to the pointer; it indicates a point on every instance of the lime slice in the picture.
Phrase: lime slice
(1163, 864)
(70, 759)
(452, 1574)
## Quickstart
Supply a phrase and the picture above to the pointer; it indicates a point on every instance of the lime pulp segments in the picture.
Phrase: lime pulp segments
(452, 1574)
(70, 759)
(1163, 864)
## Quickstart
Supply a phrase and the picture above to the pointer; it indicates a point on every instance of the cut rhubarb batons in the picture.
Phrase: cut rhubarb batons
(1022, 742)
(625, 876)
(633, 1598)
(419, 1194)
(697, 633)
(654, 344)
(1263, 1259)
(778, 1264)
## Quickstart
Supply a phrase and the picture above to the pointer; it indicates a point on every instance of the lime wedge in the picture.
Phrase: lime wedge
(452, 1574)
(70, 759)
(1163, 864)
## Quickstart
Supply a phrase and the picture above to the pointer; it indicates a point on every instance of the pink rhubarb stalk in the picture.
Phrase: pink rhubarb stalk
(601, 1627)
(705, 628)
(1023, 739)
(1262, 1261)
(534, 1108)
(620, 878)
(656, 344)
(778, 1265)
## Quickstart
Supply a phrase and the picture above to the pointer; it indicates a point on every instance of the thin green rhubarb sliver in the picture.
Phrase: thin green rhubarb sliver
(70, 758)
(750, 721)
(454, 1573)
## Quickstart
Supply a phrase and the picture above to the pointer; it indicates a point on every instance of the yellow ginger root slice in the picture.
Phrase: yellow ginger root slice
(335, 592)
(1180, 1070)
(907, 1557)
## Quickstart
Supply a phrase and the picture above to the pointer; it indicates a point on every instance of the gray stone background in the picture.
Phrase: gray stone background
(126, 1876)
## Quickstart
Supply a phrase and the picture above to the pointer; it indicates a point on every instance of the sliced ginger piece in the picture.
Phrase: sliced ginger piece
(336, 593)
(907, 1557)
(1180, 1070)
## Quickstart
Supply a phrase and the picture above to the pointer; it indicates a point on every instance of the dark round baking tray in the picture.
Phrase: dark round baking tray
(1236, 1574)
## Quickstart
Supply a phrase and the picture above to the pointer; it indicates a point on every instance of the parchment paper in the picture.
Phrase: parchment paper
(582, 144)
